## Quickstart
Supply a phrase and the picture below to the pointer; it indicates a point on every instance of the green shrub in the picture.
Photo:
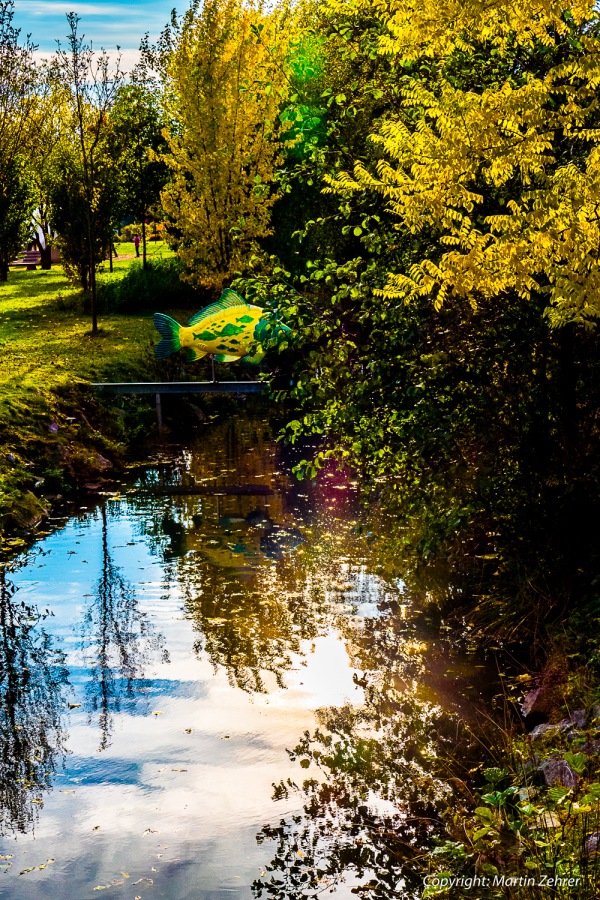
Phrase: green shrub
(156, 287)
(70, 302)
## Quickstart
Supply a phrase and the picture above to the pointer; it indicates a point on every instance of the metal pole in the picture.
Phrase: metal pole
(159, 420)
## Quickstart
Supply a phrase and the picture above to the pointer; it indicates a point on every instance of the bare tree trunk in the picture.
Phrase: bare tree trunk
(144, 266)
(92, 276)
(46, 257)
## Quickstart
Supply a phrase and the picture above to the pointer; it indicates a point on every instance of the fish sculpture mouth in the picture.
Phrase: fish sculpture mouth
(230, 330)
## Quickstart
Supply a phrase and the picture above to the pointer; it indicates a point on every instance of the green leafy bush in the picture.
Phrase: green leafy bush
(156, 286)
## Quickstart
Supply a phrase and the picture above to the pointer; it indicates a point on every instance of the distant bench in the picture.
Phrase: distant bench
(30, 261)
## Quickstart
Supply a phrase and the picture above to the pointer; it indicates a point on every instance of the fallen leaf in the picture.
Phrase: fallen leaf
(157, 712)
(41, 866)
(74, 705)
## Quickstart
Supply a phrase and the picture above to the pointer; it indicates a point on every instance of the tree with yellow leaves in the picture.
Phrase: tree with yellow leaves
(495, 152)
(225, 80)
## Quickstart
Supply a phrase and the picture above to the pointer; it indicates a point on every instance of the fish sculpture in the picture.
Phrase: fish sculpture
(230, 330)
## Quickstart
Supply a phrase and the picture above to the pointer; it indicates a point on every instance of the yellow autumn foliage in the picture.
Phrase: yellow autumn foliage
(226, 78)
(504, 176)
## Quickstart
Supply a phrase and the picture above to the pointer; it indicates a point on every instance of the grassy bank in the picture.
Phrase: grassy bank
(54, 433)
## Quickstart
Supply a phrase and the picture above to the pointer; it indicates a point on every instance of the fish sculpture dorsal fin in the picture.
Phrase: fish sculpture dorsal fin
(227, 300)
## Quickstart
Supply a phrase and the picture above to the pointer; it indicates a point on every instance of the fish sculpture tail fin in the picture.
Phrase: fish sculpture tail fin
(169, 329)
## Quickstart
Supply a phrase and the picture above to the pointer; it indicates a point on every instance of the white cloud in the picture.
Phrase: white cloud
(130, 56)
(58, 7)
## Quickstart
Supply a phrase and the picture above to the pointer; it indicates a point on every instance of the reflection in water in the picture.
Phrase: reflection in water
(32, 676)
(263, 591)
(117, 639)
(236, 552)
(377, 776)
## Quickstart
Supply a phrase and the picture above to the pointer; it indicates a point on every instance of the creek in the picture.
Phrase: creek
(181, 654)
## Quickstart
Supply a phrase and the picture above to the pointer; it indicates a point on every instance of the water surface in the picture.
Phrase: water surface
(161, 652)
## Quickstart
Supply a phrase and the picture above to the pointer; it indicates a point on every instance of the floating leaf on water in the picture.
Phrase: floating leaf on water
(34, 868)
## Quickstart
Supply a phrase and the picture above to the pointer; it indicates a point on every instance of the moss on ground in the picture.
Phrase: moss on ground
(54, 431)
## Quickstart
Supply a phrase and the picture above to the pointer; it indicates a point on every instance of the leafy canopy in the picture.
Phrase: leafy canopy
(502, 171)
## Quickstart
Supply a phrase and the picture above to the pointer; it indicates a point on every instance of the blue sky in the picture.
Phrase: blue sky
(106, 22)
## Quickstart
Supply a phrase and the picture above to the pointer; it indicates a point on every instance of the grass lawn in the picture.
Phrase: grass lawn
(48, 355)
(46, 344)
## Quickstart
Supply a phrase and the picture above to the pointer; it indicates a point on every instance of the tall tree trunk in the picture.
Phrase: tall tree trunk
(568, 382)
(144, 239)
(92, 275)
(46, 257)
(93, 299)
(3, 270)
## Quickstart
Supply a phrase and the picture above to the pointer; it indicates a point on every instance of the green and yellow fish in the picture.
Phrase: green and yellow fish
(227, 330)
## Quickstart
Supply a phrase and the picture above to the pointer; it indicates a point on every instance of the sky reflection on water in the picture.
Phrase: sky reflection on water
(189, 641)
